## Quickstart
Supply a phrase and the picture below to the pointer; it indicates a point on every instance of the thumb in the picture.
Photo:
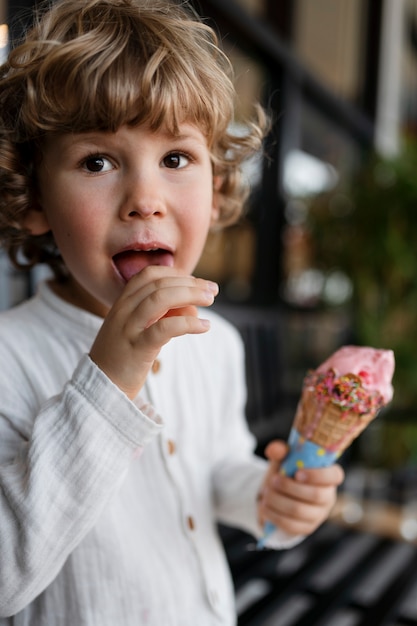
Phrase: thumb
(276, 450)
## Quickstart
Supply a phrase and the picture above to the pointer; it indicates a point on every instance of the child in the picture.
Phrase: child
(119, 448)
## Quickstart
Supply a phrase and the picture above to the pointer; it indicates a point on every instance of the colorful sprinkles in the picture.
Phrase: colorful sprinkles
(344, 391)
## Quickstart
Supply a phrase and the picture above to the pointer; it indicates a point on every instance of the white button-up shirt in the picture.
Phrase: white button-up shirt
(108, 508)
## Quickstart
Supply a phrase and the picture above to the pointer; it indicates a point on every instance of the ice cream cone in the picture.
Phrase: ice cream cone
(337, 403)
(328, 425)
(333, 410)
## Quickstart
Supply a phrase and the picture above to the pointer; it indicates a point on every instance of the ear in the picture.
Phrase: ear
(35, 221)
(215, 209)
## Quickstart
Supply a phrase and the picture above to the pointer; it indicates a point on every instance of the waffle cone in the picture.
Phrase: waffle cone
(326, 424)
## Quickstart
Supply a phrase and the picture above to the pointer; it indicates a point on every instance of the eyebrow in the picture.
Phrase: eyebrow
(181, 135)
(189, 137)
(93, 136)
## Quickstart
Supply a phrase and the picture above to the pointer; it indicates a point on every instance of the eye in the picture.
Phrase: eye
(176, 160)
(97, 164)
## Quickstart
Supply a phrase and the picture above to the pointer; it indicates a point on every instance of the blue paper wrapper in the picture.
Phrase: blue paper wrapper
(302, 453)
(305, 453)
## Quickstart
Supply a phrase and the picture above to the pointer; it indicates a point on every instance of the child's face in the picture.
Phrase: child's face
(117, 202)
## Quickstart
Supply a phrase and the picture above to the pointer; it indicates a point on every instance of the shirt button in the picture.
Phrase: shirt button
(171, 446)
(156, 366)
(190, 522)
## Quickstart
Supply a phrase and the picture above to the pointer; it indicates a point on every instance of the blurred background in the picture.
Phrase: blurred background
(325, 255)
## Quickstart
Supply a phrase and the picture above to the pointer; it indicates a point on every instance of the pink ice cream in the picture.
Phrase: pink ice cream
(374, 367)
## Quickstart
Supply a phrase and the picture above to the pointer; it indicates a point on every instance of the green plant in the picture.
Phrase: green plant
(368, 229)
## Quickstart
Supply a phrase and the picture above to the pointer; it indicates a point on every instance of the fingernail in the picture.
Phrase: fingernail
(205, 323)
(209, 296)
(212, 287)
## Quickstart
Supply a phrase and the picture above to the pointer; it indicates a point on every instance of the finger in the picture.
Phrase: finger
(302, 492)
(151, 274)
(152, 299)
(182, 310)
(160, 301)
(159, 277)
(276, 450)
(175, 282)
(295, 526)
(159, 333)
(332, 475)
(278, 507)
(290, 518)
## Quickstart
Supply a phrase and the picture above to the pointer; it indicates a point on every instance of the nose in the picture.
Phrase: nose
(143, 198)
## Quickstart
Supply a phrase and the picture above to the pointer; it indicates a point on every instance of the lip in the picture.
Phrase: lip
(133, 258)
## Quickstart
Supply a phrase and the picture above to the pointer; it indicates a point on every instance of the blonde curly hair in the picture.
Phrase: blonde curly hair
(100, 64)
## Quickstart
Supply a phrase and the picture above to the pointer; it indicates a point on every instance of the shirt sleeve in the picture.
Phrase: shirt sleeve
(56, 479)
(238, 473)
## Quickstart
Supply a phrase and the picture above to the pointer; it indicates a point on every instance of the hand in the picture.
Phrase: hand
(156, 305)
(301, 504)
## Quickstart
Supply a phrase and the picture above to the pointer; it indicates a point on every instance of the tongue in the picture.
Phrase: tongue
(132, 262)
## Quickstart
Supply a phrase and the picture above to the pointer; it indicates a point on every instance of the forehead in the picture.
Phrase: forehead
(60, 143)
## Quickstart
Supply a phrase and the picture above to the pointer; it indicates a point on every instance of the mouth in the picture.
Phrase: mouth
(130, 262)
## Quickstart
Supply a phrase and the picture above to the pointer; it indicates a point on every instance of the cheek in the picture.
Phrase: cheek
(199, 206)
(73, 227)
(196, 220)
(195, 231)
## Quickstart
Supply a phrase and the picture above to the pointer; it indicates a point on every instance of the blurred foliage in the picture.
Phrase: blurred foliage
(368, 229)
